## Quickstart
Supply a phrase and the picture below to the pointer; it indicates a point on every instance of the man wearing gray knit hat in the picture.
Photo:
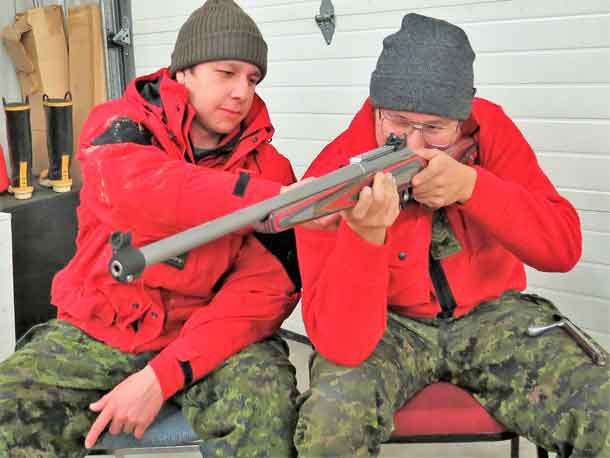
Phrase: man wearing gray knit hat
(196, 334)
(433, 288)
(425, 67)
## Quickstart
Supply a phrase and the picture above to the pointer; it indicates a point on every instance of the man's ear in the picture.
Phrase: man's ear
(180, 76)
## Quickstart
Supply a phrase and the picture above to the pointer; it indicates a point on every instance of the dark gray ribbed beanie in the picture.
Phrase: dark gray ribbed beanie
(219, 30)
(425, 67)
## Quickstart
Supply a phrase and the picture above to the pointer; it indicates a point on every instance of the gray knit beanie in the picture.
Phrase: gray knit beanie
(425, 67)
(219, 30)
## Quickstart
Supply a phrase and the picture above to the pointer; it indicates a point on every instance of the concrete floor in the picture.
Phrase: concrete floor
(299, 357)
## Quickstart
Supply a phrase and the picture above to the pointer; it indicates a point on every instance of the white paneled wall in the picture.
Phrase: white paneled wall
(547, 62)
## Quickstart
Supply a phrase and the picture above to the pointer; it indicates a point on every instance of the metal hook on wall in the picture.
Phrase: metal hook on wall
(326, 20)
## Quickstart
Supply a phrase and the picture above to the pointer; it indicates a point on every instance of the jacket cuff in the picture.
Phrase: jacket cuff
(169, 373)
(489, 198)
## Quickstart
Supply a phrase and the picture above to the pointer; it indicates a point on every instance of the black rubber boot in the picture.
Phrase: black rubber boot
(19, 134)
(60, 140)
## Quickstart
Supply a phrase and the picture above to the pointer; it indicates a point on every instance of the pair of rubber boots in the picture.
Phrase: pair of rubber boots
(60, 137)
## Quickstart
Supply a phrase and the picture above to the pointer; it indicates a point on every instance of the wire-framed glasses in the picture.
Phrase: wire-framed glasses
(435, 135)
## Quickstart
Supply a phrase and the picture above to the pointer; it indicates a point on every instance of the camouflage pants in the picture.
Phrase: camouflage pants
(543, 388)
(245, 408)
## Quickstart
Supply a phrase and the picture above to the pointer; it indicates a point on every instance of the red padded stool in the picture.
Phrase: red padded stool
(441, 409)
(442, 412)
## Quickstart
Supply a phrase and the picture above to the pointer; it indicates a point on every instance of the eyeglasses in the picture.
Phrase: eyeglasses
(439, 136)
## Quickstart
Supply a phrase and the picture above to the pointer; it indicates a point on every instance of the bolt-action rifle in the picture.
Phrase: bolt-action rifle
(319, 197)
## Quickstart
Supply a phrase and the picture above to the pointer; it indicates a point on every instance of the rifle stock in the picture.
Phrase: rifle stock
(330, 193)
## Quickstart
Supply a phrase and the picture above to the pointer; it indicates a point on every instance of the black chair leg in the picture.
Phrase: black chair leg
(514, 447)
(542, 453)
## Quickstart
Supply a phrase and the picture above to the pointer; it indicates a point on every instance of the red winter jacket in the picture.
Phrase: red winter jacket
(137, 178)
(514, 216)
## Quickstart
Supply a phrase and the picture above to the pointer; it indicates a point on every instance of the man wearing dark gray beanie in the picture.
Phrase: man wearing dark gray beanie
(198, 333)
(433, 292)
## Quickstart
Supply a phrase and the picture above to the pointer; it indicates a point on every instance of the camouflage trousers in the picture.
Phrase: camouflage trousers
(245, 408)
(543, 388)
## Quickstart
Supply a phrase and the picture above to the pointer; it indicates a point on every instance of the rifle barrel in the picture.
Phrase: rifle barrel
(128, 262)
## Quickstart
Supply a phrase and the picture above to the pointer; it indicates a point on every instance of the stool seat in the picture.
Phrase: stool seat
(443, 409)
(170, 428)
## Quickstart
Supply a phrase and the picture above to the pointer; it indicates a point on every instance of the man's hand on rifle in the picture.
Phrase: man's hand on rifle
(376, 210)
(324, 223)
(444, 181)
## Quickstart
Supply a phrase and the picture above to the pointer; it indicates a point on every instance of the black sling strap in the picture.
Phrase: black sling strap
(437, 274)
(442, 289)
